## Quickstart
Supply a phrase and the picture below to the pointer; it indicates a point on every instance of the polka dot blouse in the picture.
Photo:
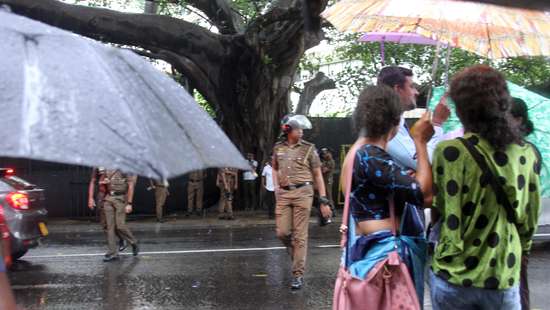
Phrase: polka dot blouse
(375, 177)
(478, 246)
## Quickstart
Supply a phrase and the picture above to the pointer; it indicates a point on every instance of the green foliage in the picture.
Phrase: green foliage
(249, 9)
(204, 104)
(525, 71)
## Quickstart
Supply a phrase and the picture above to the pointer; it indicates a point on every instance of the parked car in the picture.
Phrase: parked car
(5, 249)
(24, 213)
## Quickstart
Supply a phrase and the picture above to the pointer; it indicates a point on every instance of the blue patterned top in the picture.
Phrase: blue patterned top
(375, 177)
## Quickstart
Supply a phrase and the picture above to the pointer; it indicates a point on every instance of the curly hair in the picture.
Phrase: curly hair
(483, 103)
(378, 111)
(520, 110)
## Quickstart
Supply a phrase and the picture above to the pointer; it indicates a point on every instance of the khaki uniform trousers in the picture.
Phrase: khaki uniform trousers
(328, 189)
(161, 193)
(292, 215)
(102, 218)
(115, 217)
(194, 196)
(226, 203)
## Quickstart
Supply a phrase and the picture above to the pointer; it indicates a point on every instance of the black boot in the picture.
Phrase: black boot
(297, 283)
(135, 249)
(110, 258)
(122, 245)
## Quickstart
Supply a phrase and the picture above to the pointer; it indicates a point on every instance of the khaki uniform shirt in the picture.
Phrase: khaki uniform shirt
(328, 167)
(295, 164)
(230, 176)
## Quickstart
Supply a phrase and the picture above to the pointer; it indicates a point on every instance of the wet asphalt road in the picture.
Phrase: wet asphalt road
(192, 268)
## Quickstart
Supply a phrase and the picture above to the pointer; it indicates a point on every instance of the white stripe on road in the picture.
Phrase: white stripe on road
(163, 252)
(175, 252)
(326, 246)
(47, 286)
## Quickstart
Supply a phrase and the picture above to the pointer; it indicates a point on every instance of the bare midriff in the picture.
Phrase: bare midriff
(372, 226)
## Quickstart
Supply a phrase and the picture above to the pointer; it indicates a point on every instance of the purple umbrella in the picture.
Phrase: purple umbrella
(408, 38)
(396, 37)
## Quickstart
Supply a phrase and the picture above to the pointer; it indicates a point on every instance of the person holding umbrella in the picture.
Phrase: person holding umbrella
(401, 147)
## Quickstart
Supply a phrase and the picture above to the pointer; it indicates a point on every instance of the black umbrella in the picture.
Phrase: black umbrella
(65, 98)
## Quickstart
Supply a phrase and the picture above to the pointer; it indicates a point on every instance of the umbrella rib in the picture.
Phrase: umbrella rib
(166, 109)
(130, 159)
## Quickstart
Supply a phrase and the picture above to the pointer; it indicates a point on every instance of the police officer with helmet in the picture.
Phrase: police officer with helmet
(296, 169)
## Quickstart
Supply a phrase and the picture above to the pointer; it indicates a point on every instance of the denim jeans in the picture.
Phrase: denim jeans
(447, 296)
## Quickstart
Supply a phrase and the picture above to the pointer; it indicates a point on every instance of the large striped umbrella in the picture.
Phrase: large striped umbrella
(487, 30)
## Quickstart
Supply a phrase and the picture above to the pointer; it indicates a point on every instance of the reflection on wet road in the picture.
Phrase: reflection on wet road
(217, 268)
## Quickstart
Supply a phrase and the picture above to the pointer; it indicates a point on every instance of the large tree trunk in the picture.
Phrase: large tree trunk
(245, 73)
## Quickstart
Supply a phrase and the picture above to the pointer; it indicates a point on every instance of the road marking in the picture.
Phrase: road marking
(46, 286)
(177, 252)
(324, 246)
(163, 252)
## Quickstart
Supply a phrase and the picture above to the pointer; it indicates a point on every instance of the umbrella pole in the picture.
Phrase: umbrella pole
(434, 72)
(447, 64)
(383, 53)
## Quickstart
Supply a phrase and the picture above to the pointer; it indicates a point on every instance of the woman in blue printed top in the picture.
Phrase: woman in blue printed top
(377, 179)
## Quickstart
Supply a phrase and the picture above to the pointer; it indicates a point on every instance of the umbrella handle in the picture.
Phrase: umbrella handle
(434, 72)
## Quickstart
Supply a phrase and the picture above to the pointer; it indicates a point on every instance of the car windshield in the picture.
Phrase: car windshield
(17, 183)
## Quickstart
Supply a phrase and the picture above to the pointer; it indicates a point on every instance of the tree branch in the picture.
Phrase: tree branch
(199, 79)
(143, 30)
(312, 89)
(221, 15)
(195, 51)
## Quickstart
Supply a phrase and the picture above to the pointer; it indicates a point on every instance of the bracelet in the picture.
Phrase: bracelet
(324, 200)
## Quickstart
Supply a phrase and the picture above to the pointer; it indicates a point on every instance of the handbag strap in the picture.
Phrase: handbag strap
(348, 177)
(502, 198)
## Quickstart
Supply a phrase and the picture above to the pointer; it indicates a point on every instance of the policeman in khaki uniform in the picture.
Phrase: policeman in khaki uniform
(228, 182)
(195, 192)
(98, 174)
(161, 193)
(327, 167)
(296, 168)
(118, 202)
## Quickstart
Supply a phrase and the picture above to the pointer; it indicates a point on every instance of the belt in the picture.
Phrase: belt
(115, 193)
(296, 186)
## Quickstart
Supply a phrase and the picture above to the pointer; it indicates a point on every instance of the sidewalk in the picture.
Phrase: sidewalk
(174, 222)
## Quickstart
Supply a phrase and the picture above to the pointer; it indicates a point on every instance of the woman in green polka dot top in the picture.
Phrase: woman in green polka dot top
(476, 263)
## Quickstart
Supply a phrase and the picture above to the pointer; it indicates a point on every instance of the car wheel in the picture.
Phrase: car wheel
(18, 254)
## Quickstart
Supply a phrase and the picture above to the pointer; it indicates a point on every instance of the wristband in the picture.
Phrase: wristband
(324, 200)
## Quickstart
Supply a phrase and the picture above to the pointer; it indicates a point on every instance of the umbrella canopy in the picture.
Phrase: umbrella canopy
(539, 113)
(397, 37)
(65, 98)
(487, 30)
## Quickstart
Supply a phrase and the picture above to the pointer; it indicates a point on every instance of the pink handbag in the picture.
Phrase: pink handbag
(387, 286)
